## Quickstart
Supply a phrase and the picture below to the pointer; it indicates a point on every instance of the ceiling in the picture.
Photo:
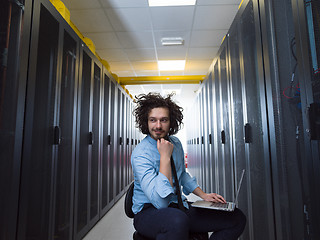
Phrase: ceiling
(127, 34)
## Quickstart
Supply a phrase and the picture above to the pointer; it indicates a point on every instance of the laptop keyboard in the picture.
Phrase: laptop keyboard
(220, 205)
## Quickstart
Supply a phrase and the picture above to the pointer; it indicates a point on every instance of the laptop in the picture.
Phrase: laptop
(229, 206)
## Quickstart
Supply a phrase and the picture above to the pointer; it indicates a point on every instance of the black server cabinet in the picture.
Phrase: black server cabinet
(113, 147)
(220, 138)
(226, 162)
(118, 141)
(47, 180)
(211, 132)
(258, 177)
(202, 156)
(15, 20)
(88, 147)
(106, 163)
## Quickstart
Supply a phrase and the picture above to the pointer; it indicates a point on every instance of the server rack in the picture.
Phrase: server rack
(62, 101)
(270, 129)
(12, 107)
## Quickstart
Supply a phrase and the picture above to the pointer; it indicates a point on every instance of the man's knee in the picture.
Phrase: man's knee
(240, 218)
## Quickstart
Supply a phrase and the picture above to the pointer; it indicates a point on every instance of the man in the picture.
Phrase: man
(157, 214)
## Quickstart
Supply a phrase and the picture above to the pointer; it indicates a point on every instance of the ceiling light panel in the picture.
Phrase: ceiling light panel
(163, 3)
(172, 41)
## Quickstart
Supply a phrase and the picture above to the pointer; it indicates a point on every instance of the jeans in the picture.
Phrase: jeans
(173, 224)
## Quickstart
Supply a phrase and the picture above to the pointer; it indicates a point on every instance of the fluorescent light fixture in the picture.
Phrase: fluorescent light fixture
(171, 65)
(162, 3)
(172, 41)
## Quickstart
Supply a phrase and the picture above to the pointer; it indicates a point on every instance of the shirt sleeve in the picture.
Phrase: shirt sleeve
(155, 185)
(189, 183)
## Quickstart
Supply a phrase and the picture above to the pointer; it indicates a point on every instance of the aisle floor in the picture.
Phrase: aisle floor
(115, 225)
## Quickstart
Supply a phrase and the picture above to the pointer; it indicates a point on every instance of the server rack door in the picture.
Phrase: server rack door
(105, 159)
(64, 176)
(257, 151)
(118, 123)
(198, 146)
(113, 152)
(307, 13)
(211, 131)
(206, 158)
(39, 152)
(84, 147)
(126, 142)
(228, 170)
(123, 142)
(12, 97)
(237, 119)
(219, 131)
(95, 142)
(201, 141)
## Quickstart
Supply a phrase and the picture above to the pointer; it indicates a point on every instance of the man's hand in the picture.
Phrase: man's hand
(214, 197)
(165, 149)
(209, 197)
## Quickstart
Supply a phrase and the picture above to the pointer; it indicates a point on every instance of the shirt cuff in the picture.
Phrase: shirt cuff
(163, 186)
(190, 186)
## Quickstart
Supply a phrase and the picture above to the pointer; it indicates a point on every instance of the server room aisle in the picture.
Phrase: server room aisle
(114, 225)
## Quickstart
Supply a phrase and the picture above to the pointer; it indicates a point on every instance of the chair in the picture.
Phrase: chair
(130, 214)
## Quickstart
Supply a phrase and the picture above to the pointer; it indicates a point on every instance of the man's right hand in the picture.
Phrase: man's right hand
(165, 148)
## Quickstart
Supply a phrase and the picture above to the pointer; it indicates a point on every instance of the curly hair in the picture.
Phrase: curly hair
(146, 102)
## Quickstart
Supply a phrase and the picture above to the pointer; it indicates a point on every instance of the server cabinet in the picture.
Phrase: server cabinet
(211, 143)
(64, 177)
(236, 115)
(202, 156)
(227, 168)
(118, 139)
(220, 138)
(258, 177)
(88, 147)
(13, 75)
(306, 16)
(46, 203)
(106, 147)
(113, 150)
(84, 148)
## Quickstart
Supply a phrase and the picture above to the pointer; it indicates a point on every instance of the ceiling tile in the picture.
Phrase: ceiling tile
(141, 66)
(120, 66)
(90, 20)
(214, 17)
(81, 4)
(214, 2)
(172, 18)
(124, 3)
(202, 53)
(211, 38)
(198, 65)
(136, 39)
(172, 53)
(147, 73)
(171, 73)
(104, 40)
(113, 55)
(125, 73)
(129, 19)
(141, 54)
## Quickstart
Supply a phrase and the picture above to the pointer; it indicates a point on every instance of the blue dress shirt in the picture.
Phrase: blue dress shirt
(151, 186)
